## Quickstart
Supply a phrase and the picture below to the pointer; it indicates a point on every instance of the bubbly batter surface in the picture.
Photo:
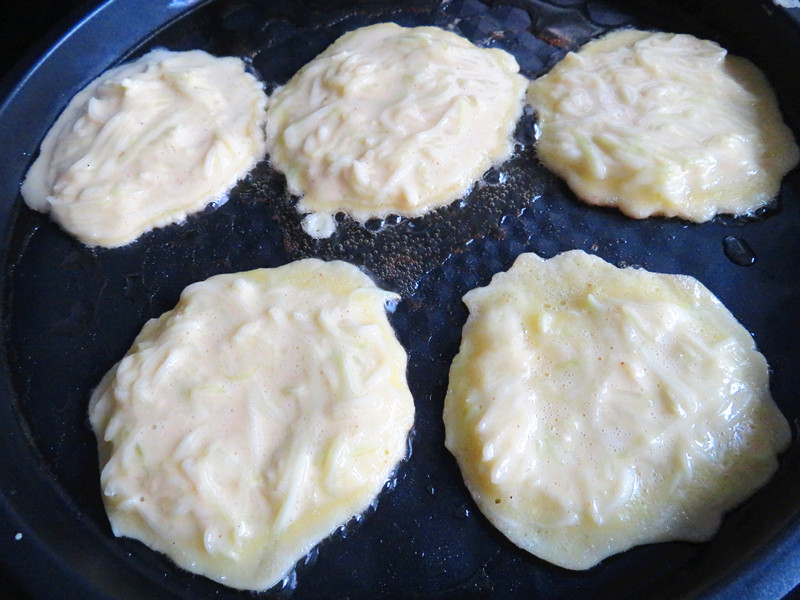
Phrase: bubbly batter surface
(663, 124)
(148, 143)
(592, 409)
(252, 420)
(392, 120)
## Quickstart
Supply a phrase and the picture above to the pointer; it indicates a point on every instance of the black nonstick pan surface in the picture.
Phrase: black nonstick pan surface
(69, 312)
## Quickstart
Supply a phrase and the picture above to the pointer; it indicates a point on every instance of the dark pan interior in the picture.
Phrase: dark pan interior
(70, 312)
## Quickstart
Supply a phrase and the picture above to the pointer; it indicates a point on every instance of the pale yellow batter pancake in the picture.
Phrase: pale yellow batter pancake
(663, 124)
(252, 420)
(592, 409)
(148, 143)
(392, 120)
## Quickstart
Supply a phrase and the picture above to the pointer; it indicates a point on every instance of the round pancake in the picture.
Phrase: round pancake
(148, 143)
(255, 418)
(592, 409)
(663, 124)
(392, 120)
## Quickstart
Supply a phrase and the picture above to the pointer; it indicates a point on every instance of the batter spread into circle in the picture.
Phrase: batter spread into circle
(663, 124)
(592, 409)
(392, 120)
(248, 423)
(148, 143)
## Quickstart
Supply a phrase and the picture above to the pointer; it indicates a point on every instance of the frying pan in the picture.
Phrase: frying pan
(69, 312)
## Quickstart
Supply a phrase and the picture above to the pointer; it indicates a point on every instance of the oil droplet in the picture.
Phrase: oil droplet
(374, 224)
(462, 512)
(494, 176)
(738, 251)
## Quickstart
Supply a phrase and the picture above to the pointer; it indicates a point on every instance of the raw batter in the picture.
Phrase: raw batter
(392, 120)
(252, 420)
(148, 143)
(663, 124)
(592, 409)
